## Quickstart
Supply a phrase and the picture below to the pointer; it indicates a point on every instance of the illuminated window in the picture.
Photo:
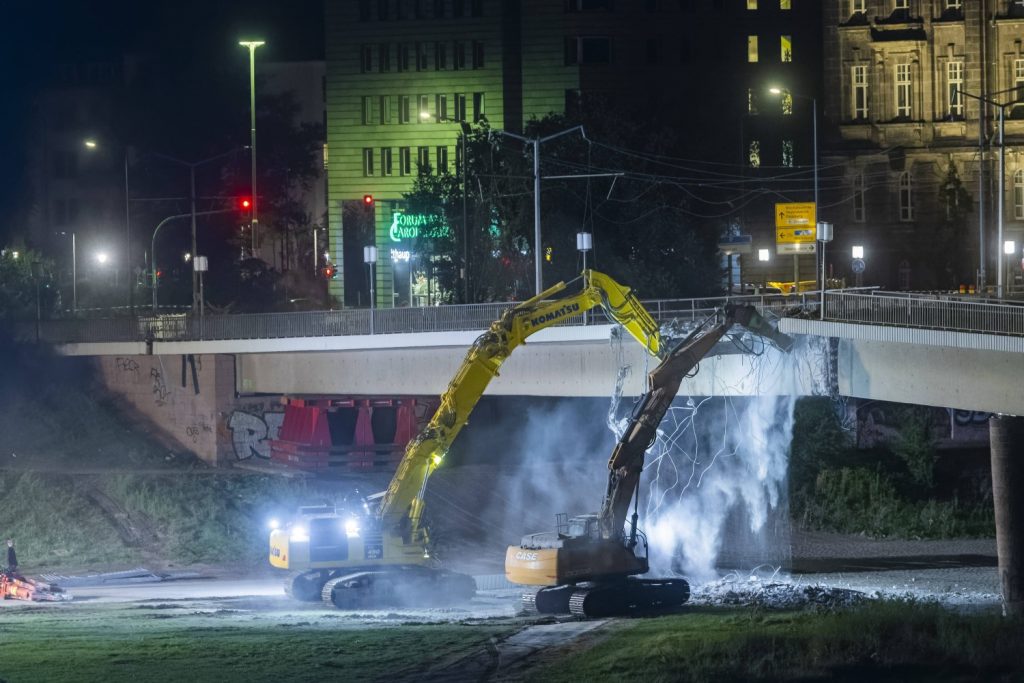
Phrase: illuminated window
(954, 4)
(754, 153)
(752, 100)
(858, 6)
(1018, 194)
(442, 159)
(904, 91)
(785, 4)
(787, 153)
(954, 89)
(367, 111)
(1018, 78)
(423, 159)
(786, 48)
(326, 156)
(367, 161)
(385, 109)
(460, 106)
(859, 80)
(385, 161)
(404, 108)
(906, 198)
(423, 108)
(751, 4)
(858, 198)
(751, 49)
(405, 161)
(786, 101)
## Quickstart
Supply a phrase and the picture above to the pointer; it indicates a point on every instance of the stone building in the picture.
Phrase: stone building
(912, 155)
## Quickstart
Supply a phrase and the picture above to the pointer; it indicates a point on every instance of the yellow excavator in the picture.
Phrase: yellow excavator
(381, 556)
(588, 566)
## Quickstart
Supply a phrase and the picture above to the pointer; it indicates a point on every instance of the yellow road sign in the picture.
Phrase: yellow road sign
(795, 224)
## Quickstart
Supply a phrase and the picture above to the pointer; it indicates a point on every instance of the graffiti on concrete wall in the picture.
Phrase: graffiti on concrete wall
(129, 365)
(194, 430)
(251, 433)
(160, 390)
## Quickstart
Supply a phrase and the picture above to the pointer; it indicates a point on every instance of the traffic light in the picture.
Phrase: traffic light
(367, 200)
(245, 204)
(328, 272)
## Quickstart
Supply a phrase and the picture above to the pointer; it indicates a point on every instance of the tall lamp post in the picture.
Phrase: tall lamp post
(814, 128)
(536, 142)
(1002, 178)
(252, 45)
(584, 243)
(370, 259)
(92, 145)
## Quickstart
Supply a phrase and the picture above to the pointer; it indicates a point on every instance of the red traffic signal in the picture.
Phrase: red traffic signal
(367, 200)
(328, 272)
(245, 203)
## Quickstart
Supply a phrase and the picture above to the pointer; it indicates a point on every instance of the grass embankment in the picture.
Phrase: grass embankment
(890, 641)
(56, 643)
(82, 486)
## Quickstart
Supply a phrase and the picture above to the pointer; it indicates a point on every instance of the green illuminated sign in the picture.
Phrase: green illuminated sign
(410, 226)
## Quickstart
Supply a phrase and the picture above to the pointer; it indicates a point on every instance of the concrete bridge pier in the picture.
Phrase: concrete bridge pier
(1006, 433)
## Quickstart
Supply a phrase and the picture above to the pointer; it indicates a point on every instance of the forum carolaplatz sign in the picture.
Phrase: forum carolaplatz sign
(795, 228)
(410, 226)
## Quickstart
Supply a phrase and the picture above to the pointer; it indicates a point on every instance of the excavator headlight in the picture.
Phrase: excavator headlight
(352, 528)
(298, 533)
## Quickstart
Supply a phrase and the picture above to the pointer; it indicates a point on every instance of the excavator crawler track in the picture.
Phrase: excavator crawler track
(554, 599)
(628, 597)
(399, 587)
(306, 586)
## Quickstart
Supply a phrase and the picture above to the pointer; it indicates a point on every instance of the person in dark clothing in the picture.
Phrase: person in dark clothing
(12, 557)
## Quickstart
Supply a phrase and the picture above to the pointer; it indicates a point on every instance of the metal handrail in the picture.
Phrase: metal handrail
(854, 306)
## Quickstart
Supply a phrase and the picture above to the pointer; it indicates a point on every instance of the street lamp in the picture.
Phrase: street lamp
(814, 128)
(857, 253)
(536, 142)
(824, 230)
(252, 45)
(370, 259)
(584, 243)
(92, 145)
(1002, 177)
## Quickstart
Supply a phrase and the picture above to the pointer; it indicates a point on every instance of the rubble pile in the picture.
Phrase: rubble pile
(773, 594)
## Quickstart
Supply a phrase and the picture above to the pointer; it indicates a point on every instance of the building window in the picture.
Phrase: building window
(382, 10)
(403, 57)
(478, 54)
(901, 5)
(385, 109)
(439, 9)
(588, 50)
(785, 5)
(954, 86)
(859, 79)
(458, 8)
(400, 9)
(364, 10)
(478, 107)
(327, 157)
(460, 106)
(752, 101)
(858, 6)
(424, 108)
(1018, 78)
(385, 161)
(786, 103)
(423, 159)
(366, 58)
(858, 198)
(421, 56)
(419, 10)
(954, 4)
(751, 49)
(754, 153)
(367, 111)
(787, 153)
(404, 108)
(786, 48)
(440, 56)
(476, 8)
(367, 161)
(442, 159)
(384, 57)
(906, 198)
(458, 55)
(751, 4)
(1018, 194)
(441, 108)
(904, 91)
(405, 161)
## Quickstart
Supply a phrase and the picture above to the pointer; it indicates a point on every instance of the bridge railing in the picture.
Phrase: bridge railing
(929, 312)
(356, 321)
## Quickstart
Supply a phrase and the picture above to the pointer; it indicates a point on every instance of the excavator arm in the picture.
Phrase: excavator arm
(402, 504)
(627, 459)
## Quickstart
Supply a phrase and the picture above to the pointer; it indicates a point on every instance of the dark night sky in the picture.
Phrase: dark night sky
(33, 35)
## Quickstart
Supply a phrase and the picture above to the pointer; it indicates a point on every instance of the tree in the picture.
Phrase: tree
(24, 276)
